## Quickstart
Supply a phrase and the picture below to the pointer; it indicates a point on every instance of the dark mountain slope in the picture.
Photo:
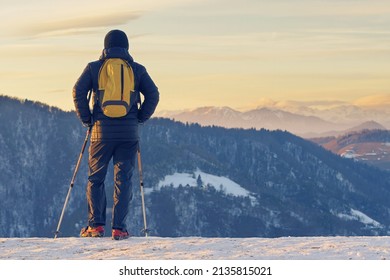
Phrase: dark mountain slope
(298, 188)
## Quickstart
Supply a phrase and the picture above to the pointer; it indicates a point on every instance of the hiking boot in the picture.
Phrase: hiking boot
(92, 231)
(118, 234)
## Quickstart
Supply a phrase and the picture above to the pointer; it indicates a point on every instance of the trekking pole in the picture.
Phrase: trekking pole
(72, 181)
(145, 230)
(74, 174)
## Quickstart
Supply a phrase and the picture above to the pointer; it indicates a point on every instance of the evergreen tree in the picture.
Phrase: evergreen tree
(199, 181)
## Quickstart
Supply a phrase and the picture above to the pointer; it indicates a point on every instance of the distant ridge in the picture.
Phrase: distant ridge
(267, 118)
(371, 146)
(294, 117)
(369, 125)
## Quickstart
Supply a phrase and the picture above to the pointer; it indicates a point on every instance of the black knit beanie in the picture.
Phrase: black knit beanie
(116, 38)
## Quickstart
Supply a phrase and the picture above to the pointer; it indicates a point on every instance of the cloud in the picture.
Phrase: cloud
(34, 51)
(380, 100)
(309, 8)
(76, 25)
(295, 8)
(297, 104)
(41, 18)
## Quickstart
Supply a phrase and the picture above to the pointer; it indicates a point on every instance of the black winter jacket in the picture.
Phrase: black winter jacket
(114, 129)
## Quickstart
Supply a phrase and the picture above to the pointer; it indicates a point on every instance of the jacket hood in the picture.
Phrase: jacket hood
(116, 52)
(116, 38)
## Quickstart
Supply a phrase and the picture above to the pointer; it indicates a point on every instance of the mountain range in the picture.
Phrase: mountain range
(199, 181)
(301, 119)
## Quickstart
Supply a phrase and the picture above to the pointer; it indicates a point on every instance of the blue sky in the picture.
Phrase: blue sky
(203, 53)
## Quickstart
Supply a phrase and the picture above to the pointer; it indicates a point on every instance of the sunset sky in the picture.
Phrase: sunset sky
(203, 53)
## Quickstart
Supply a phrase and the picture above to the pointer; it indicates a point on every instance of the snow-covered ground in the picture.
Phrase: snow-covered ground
(197, 248)
(195, 258)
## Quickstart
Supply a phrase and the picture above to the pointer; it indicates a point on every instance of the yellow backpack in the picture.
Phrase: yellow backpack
(116, 87)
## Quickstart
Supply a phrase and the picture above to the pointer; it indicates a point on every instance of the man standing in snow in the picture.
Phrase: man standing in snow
(112, 137)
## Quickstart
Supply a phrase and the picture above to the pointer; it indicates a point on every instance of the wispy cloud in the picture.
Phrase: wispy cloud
(34, 51)
(265, 46)
(295, 8)
(65, 17)
(76, 25)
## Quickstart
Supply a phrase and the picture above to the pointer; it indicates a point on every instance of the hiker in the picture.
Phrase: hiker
(114, 128)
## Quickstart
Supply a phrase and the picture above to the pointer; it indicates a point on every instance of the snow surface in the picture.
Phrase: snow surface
(196, 248)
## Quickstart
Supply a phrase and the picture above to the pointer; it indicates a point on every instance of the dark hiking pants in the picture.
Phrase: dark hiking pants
(123, 155)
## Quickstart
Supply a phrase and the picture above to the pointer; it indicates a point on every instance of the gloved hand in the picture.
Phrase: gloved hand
(88, 123)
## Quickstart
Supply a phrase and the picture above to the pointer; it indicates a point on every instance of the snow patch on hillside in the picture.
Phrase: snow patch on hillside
(356, 215)
(220, 183)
